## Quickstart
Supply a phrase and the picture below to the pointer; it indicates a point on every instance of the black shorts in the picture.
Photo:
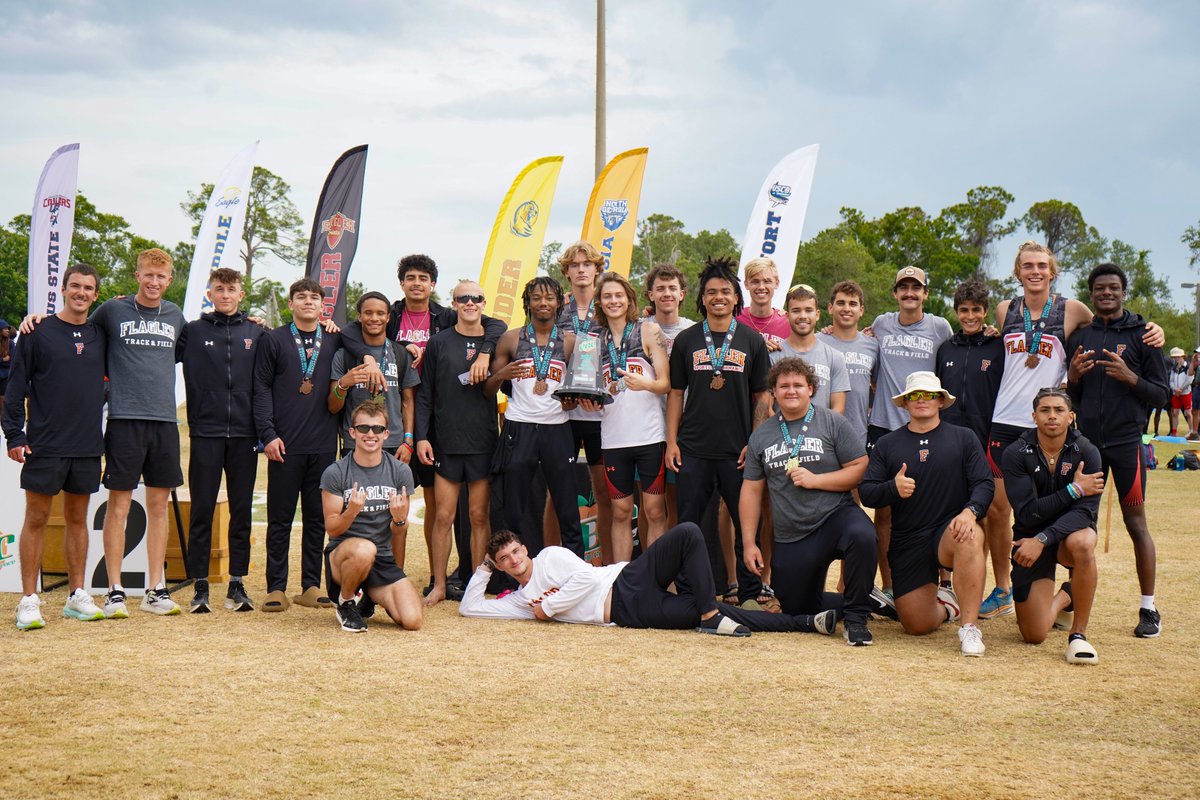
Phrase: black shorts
(464, 468)
(874, 433)
(141, 448)
(641, 463)
(422, 473)
(53, 474)
(384, 572)
(999, 438)
(586, 434)
(1042, 569)
(1128, 471)
(915, 562)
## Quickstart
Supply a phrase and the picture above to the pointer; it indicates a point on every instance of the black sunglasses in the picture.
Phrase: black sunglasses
(370, 428)
(463, 299)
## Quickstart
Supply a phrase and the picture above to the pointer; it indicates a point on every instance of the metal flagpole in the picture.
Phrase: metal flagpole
(600, 110)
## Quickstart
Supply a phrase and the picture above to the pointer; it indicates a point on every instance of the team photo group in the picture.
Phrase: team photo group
(973, 447)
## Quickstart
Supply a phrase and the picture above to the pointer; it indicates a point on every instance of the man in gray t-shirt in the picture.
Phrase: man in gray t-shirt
(141, 441)
(396, 365)
(833, 377)
(365, 499)
(808, 459)
(861, 355)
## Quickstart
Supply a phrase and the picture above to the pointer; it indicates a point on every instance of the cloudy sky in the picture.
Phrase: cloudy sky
(913, 103)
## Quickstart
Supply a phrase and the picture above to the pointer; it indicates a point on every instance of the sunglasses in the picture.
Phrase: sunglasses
(803, 286)
(370, 428)
(463, 299)
(922, 395)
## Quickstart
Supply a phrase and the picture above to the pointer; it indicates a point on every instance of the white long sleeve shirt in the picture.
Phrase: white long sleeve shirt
(569, 590)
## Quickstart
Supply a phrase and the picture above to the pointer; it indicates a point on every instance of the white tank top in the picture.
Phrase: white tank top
(1014, 403)
(635, 417)
(525, 404)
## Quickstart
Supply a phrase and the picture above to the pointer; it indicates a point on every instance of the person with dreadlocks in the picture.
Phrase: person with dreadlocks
(632, 429)
(530, 362)
(723, 368)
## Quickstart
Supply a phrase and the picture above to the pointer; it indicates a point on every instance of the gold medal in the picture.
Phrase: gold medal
(792, 463)
(539, 386)
(1031, 360)
(717, 382)
(306, 387)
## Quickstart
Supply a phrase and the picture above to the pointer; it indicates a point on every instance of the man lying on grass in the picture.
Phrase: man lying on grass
(559, 585)
(365, 498)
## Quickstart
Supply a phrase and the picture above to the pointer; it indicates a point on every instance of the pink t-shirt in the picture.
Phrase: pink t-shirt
(414, 328)
(774, 328)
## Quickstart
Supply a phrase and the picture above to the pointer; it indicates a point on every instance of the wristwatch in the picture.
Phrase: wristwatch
(399, 523)
(1043, 538)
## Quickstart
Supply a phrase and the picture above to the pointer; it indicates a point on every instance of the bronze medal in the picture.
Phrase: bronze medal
(1031, 360)
(791, 464)
(718, 382)
(306, 386)
(539, 386)
(614, 388)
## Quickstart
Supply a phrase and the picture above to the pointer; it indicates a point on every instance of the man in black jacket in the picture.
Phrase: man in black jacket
(970, 365)
(218, 352)
(1054, 500)
(1114, 379)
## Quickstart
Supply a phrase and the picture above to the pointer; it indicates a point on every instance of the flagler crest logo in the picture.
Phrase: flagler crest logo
(984, 364)
(79, 348)
(1120, 350)
(249, 343)
(779, 194)
(335, 226)
(1066, 467)
(523, 219)
(924, 455)
(613, 214)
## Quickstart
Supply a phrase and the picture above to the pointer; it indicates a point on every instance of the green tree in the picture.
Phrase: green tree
(834, 255)
(980, 220)
(1061, 227)
(273, 225)
(663, 239)
(1191, 238)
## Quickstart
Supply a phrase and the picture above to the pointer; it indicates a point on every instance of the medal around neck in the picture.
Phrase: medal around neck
(584, 379)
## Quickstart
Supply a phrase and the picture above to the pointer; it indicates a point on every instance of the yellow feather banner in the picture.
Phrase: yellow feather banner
(611, 221)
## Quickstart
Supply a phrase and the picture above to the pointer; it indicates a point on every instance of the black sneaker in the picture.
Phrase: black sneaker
(455, 591)
(857, 634)
(347, 614)
(366, 606)
(428, 588)
(200, 604)
(236, 598)
(721, 625)
(1149, 624)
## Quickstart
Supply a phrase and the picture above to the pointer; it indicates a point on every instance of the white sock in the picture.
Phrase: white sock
(1148, 601)
(34, 596)
(344, 599)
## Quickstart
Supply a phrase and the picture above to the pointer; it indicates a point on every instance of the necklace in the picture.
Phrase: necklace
(1051, 459)
(753, 320)
(139, 308)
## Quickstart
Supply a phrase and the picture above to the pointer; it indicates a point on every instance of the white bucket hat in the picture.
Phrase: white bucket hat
(923, 382)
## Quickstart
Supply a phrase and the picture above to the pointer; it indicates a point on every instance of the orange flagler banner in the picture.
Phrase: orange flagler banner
(611, 220)
(515, 246)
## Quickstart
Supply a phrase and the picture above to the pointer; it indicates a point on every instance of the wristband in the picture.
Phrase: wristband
(1073, 490)
(337, 389)
(399, 524)
(408, 437)
(409, 446)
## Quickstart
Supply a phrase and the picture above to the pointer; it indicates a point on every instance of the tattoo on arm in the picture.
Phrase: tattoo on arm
(661, 338)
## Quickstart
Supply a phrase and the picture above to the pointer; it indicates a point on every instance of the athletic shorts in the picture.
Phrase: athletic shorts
(422, 473)
(1128, 471)
(914, 561)
(464, 468)
(586, 434)
(641, 463)
(1000, 437)
(1042, 569)
(141, 448)
(874, 432)
(50, 475)
(1181, 401)
(384, 572)
(1196, 398)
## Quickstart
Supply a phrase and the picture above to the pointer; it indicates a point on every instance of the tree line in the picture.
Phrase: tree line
(956, 243)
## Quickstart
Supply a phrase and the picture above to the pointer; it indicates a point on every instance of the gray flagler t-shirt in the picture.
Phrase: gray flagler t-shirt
(141, 357)
(827, 362)
(374, 521)
(827, 443)
(861, 355)
(903, 349)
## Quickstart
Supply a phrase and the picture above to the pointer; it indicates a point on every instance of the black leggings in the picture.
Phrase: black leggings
(640, 598)
(694, 491)
(798, 569)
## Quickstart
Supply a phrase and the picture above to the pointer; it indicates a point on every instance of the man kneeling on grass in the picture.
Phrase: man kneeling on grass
(365, 499)
(1055, 500)
(559, 585)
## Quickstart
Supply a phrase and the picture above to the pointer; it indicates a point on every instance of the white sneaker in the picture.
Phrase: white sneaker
(949, 601)
(114, 605)
(81, 606)
(29, 613)
(971, 639)
(158, 601)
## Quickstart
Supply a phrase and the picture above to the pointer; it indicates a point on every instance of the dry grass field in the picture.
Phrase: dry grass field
(286, 705)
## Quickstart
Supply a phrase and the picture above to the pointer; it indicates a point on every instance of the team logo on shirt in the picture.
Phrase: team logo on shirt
(77, 334)
(984, 364)
(924, 454)
(79, 348)
(471, 351)
(1066, 468)
(249, 343)
(1120, 350)
(209, 343)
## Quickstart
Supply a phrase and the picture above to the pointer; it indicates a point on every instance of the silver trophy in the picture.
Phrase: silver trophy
(584, 378)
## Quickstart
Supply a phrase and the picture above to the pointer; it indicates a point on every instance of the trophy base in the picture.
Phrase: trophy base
(598, 396)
